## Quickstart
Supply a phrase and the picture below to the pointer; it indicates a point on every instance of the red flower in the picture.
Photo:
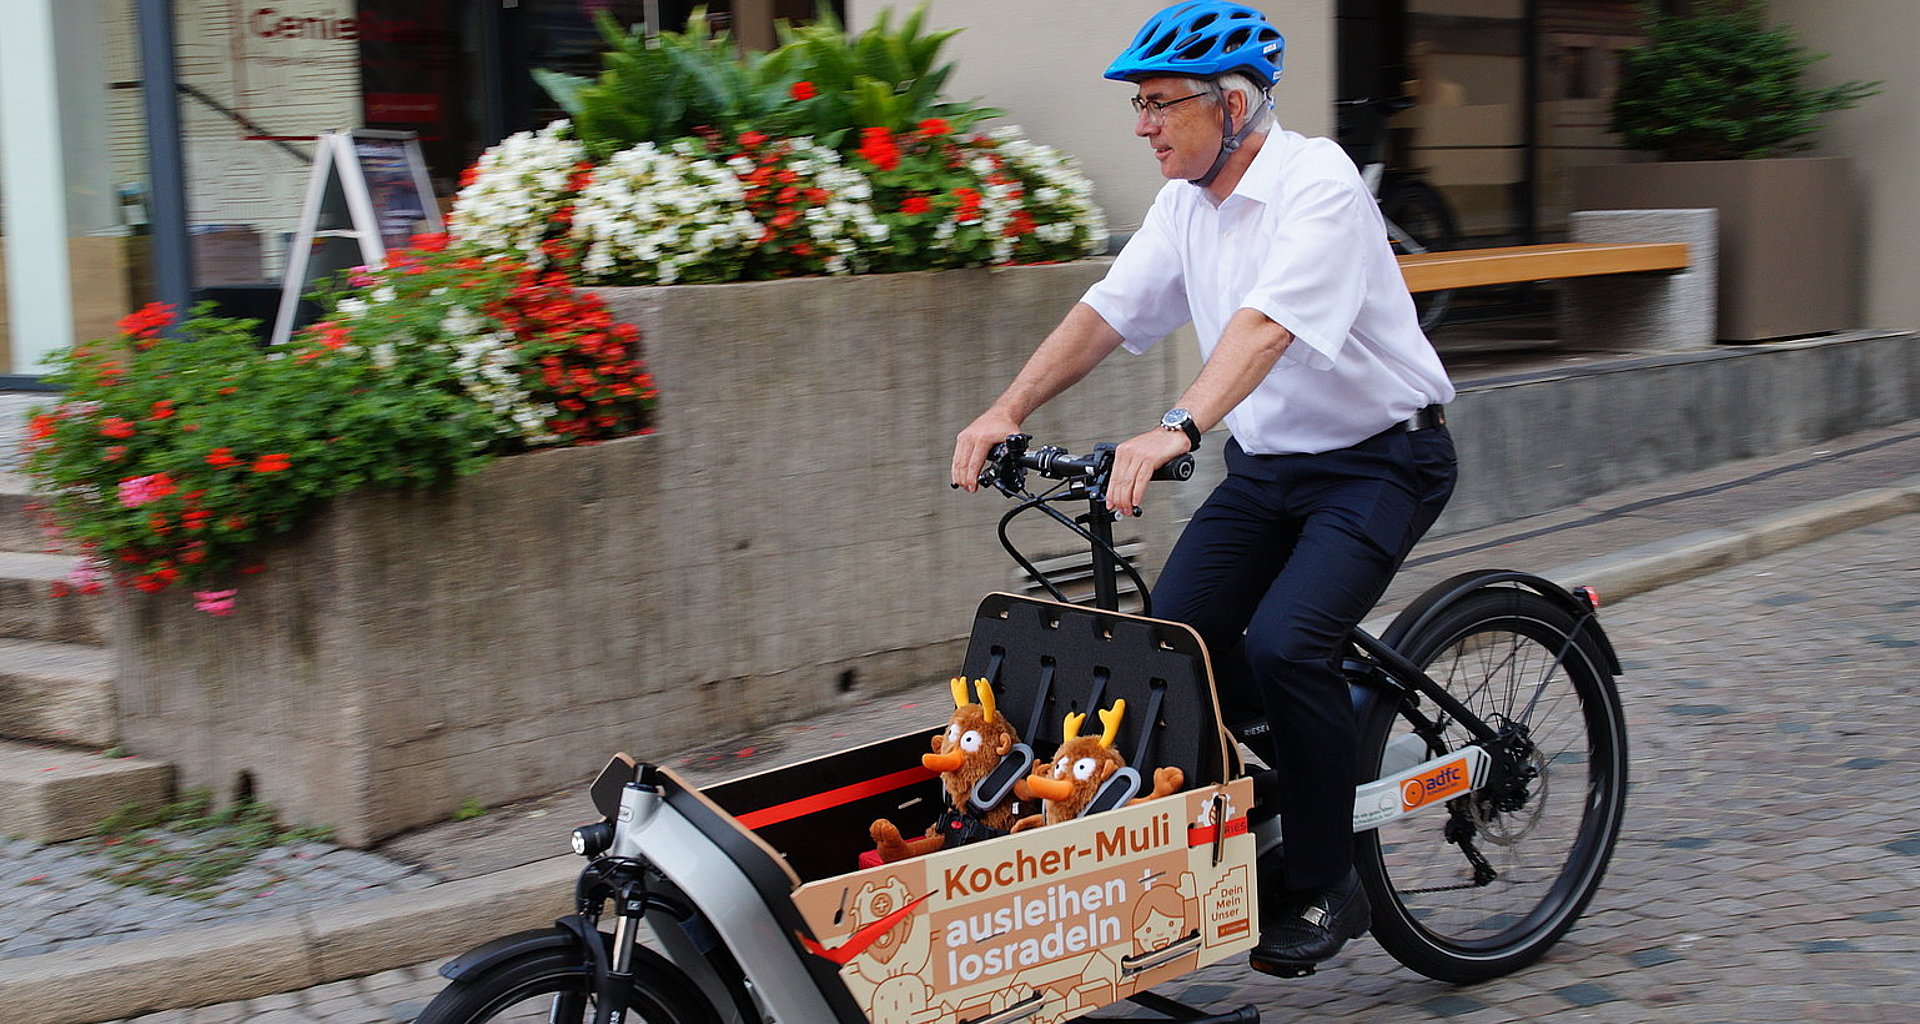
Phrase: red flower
(222, 458)
(751, 139)
(803, 90)
(44, 424)
(879, 149)
(272, 463)
(162, 409)
(114, 426)
(147, 321)
(430, 243)
(935, 126)
(914, 206)
(470, 175)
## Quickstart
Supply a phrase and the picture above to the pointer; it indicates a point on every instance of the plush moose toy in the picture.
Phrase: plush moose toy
(1082, 769)
(966, 755)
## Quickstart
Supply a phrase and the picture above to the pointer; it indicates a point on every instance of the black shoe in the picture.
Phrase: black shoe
(1312, 930)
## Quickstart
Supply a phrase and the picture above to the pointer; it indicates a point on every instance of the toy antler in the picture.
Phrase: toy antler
(986, 697)
(1111, 719)
(958, 684)
(1070, 727)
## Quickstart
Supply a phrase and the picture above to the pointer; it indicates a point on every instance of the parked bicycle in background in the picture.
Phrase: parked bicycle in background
(1418, 218)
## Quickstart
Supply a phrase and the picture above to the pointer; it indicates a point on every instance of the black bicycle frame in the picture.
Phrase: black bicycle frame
(1396, 672)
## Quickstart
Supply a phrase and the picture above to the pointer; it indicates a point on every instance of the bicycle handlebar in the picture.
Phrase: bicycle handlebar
(1008, 461)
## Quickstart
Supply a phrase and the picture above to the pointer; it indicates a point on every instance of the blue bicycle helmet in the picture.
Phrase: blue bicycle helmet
(1203, 39)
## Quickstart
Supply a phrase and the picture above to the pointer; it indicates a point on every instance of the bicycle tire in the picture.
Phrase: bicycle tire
(1495, 651)
(523, 991)
(1419, 210)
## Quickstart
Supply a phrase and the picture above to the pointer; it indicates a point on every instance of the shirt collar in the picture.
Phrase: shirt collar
(1261, 183)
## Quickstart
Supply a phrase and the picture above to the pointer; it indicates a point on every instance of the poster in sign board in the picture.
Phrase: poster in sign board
(368, 193)
(1049, 924)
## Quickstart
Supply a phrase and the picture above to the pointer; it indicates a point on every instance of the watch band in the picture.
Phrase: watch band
(1179, 419)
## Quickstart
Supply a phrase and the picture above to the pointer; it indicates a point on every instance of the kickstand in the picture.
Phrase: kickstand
(1173, 1009)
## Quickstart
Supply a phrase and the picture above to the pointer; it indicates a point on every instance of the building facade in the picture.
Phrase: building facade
(1510, 93)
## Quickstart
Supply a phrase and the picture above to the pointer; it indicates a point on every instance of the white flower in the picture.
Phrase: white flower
(517, 188)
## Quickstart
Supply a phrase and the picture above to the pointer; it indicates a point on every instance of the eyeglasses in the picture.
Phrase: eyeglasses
(1156, 110)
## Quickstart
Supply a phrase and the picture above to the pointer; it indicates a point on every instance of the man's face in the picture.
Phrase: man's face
(1185, 138)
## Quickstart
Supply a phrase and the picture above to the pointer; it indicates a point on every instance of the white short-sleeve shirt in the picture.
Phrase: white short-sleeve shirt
(1302, 242)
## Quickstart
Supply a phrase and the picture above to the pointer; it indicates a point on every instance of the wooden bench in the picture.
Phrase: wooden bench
(1472, 268)
(1641, 280)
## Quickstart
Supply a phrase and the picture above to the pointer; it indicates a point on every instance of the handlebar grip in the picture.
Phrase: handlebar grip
(1179, 468)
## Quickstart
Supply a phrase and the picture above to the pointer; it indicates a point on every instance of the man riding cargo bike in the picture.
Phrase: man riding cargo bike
(1269, 243)
(1091, 831)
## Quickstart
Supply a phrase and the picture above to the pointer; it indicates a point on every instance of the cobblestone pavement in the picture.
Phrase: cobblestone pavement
(58, 899)
(1771, 853)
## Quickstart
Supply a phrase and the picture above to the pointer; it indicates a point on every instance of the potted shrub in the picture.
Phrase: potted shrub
(1720, 98)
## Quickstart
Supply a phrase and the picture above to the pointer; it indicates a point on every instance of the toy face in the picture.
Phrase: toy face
(1080, 769)
(969, 741)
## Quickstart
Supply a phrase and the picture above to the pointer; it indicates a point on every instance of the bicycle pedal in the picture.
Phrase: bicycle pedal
(1279, 970)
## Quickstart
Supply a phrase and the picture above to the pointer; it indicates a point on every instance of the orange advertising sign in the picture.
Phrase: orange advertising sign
(1050, 923)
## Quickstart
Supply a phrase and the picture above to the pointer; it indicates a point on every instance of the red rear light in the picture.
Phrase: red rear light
(1588, 595)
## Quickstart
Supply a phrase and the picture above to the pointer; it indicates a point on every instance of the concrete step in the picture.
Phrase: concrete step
(19, 526)
(56, 693)
(29, 610)
(51, 795)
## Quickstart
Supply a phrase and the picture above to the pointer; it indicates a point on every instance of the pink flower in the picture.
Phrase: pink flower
(136, 491)
(85, 578)
(214, 602)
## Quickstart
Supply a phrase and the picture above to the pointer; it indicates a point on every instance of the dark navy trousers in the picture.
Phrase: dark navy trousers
(1280, 563)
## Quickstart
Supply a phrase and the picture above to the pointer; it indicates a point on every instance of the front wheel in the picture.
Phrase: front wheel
(553, 986)
(1487, 886)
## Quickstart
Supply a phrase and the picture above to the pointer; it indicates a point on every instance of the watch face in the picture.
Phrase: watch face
(1174, 419)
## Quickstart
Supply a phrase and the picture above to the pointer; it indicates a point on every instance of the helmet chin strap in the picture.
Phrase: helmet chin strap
(1230, 140)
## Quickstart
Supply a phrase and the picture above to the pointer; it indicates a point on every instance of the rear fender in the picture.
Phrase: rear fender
(1440, 595)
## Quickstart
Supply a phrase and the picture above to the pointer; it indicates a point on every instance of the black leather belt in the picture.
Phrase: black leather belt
(1426, 419)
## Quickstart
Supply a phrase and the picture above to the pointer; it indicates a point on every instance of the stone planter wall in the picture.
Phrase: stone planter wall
(784, 542)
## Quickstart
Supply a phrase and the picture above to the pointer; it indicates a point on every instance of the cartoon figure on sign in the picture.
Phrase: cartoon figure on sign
(1159, 919)
(890, 969)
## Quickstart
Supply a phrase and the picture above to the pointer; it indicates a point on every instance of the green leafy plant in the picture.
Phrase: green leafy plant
(820, 82)
(168, 459)
(1719, 84)
(189, 848)
(882, 78)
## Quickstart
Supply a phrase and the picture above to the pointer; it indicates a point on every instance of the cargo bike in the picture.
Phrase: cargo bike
(1491, 733)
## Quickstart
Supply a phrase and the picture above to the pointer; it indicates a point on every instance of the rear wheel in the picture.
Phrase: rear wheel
(1419, 221)
(1486, 887)
(552, 986)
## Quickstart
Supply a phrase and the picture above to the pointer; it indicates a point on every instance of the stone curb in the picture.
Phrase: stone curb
(1636, 570)
(283, 952)
(297, 950)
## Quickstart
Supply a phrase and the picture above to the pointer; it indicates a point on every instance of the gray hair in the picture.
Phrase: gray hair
(1258, 100)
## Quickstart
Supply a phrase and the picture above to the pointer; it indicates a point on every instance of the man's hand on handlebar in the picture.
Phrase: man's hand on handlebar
(1134, 463)
(971, 447)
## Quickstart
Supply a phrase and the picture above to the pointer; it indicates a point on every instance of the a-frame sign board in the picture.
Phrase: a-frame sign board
(368, 193)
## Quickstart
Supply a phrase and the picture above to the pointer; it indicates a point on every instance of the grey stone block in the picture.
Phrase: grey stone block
(1648, 311)
(51, 796)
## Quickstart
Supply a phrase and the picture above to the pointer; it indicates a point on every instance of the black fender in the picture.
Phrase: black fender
(1437, 597)
(493, 953)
